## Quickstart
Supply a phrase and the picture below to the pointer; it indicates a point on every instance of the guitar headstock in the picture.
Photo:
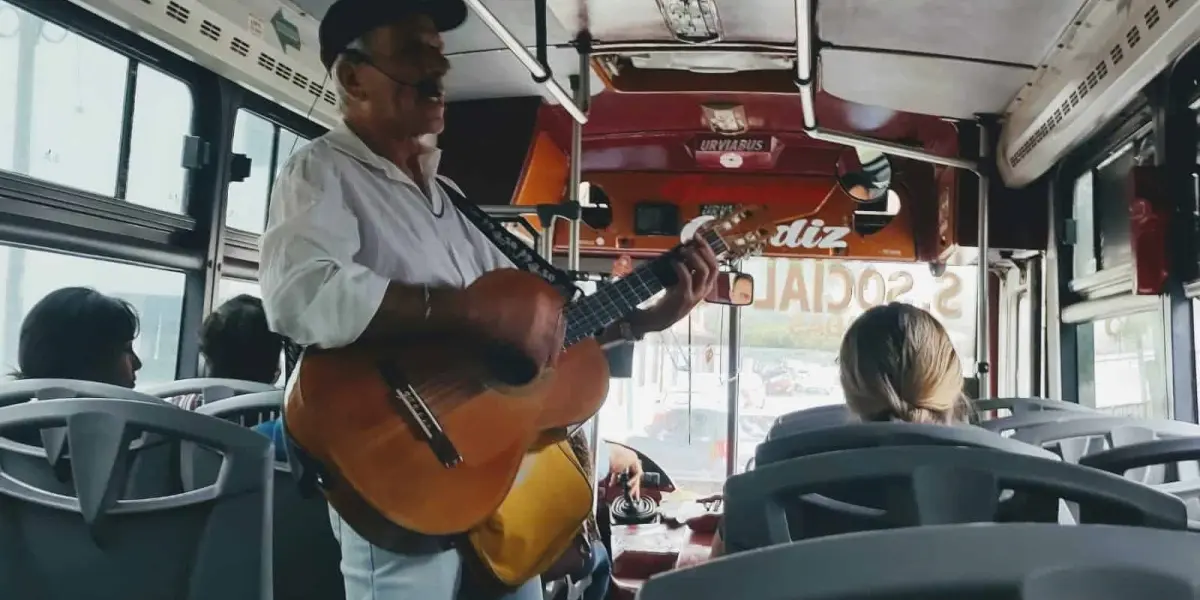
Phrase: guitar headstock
(740, 233)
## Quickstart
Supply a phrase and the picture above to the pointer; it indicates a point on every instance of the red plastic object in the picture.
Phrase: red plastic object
(1149, 216)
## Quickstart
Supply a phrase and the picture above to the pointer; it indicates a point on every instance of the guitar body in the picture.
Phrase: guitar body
(352, 409)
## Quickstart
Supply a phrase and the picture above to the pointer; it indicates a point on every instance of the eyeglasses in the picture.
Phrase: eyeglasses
(429, 87)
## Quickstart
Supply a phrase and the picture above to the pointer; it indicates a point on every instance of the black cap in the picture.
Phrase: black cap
(348, 20)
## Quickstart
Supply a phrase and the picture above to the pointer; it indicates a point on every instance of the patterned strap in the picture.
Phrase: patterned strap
(510, 245)
(578, 441)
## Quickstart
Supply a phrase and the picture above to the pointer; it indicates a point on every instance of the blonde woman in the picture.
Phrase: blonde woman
(897, 363)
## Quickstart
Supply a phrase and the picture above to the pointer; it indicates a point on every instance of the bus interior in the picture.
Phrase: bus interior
(1026, 171)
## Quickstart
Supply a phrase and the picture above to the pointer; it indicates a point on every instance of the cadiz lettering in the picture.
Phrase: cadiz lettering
(733, 145)
(803, 233)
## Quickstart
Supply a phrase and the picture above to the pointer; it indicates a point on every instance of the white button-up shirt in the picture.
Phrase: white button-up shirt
(344, 222)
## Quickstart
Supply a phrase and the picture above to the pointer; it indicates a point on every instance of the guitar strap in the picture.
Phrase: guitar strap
(516, 250)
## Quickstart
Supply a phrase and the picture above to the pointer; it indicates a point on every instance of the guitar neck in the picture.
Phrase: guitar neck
(618, 299)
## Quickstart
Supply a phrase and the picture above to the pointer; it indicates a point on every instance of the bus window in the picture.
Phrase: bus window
(1084, 250)
(792, 332)
(161, 120)
(28, 275)
(1026, 339)
(674, 408)
(1125, 359)
(268, 147)
(229, 287)
(62, 104)
(789, 337)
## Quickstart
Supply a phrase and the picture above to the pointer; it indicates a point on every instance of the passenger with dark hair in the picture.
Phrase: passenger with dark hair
(79, 333)
(236, 343)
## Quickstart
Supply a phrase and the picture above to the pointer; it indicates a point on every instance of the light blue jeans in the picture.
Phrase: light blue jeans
(372, 573)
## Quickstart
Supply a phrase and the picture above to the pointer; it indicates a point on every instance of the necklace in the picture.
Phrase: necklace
(433, 197)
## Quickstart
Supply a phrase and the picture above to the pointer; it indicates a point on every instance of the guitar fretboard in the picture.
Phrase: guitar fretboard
(615, 300)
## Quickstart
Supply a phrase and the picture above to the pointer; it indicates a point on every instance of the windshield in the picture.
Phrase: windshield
(789, 342)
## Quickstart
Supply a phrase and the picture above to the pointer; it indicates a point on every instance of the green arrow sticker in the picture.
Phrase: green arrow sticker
(289, 34)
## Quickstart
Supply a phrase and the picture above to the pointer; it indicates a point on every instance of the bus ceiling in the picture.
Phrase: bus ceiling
(1050, 72)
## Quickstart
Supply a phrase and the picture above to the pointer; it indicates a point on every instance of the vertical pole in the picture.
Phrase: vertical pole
(582, 93)
(733, 366)
(546, 241)
(29, 32)
(582, 87)
(983, 316)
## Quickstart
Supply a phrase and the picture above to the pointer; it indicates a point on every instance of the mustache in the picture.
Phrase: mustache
(430, 87)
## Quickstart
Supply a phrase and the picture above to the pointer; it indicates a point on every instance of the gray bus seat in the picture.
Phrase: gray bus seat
(1179, 457)
(306, 556)
(930, 485)
(23, 390)
(249, 409)
(212, 542)
(51, 469)
(869, 435)
(210, 388)
(808, 419)
(858, 507)
(1007, 426)
(1079, 437)
(1022, 406)
(1018, 561)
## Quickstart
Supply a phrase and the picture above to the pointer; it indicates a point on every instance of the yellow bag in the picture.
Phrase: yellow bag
(538, 521)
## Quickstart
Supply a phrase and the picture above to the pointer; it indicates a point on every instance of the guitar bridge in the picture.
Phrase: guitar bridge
(413, 408)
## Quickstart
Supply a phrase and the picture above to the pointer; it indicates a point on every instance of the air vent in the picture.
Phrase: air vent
(210, 30)
(266, 62)
(1055, 99)
(239, 47)
(178, 12)
(1151, 17)
(231, 48)
(1133, 36)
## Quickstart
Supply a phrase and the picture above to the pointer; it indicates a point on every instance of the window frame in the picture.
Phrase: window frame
(45, 215)
(241, 248)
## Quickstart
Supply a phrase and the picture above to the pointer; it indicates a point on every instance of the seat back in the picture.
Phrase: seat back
(859, 507)
(1011, 561)
(306, 555)
(930, 485)
(23, 390)
(1179, 456)
(1021, 406)
(868, 435)
(210, 389)
(1007, 426)
(1075, 438)
(808, 419)
(154, 461)
(212, 542)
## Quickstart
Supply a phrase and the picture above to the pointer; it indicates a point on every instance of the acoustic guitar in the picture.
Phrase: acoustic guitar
(429, 433)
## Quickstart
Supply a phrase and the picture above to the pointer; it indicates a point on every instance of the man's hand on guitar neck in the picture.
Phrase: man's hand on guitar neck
(696, 273)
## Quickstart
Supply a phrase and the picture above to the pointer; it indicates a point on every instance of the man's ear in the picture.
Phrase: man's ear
(348, 76)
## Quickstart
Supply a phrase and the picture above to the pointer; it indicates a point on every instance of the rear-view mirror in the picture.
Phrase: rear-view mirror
(733, 289)
(864, 174)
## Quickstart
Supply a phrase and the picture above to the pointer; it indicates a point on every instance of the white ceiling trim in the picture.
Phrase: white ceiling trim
(944, 87)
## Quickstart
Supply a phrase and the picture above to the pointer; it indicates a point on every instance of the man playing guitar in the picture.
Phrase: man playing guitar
(364, 243)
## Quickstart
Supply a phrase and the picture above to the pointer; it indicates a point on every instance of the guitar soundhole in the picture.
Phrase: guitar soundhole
(508, 365)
